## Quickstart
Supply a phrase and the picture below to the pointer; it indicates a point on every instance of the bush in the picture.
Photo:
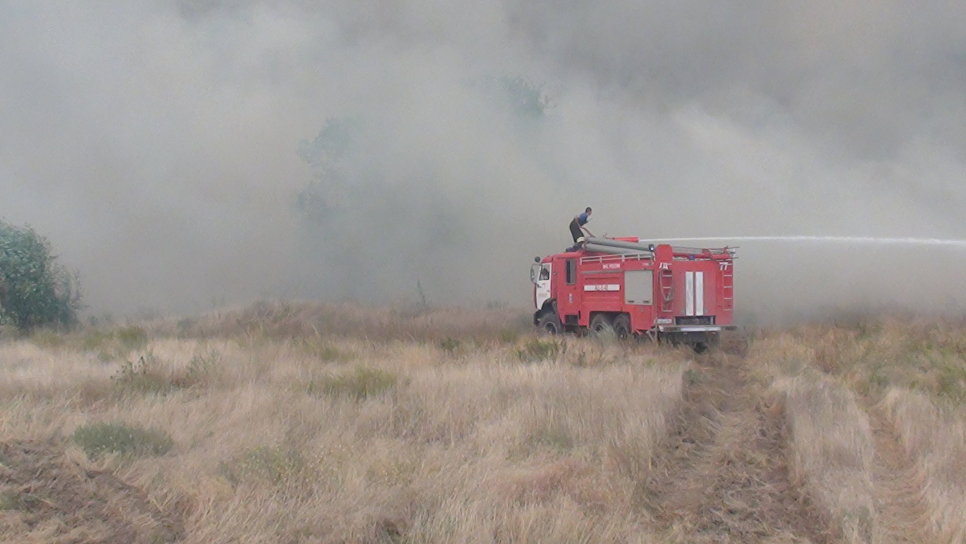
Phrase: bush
(34, 289)
(142, 376)
(132, 337)
(100, 438)
(450, 345)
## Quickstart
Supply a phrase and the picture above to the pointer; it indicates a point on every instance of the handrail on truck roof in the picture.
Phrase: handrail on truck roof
(620, 257)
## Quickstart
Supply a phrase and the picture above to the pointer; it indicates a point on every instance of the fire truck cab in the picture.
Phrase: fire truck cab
(675, 294)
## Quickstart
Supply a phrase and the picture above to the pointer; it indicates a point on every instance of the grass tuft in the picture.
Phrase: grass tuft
(324, 351)
(141, 376)
(450, 345)
(538, 349)
(12, 500)
(271, 464)
(554, 435)
(200, 371)
(951, 381)
(98, 439)
(359, 384)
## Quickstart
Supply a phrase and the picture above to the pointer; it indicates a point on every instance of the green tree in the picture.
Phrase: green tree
(34, 289)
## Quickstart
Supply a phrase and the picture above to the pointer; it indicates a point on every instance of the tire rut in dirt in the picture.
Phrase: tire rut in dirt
(899, 487)
(722, 474)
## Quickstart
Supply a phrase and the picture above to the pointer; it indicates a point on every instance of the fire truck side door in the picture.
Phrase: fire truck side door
(541, 279)
(568, 296)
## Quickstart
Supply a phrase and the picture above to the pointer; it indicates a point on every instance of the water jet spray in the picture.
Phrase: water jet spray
(960, 244)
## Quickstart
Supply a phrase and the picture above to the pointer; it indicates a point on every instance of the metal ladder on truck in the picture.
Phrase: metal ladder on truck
(664, 282)
(728, 288)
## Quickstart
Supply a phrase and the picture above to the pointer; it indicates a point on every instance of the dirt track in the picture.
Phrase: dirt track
(899, 487)
(722, 475)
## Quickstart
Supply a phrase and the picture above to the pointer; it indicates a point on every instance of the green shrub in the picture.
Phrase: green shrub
(34, 289)
(537, 349)
(98, 439)
(360, 384)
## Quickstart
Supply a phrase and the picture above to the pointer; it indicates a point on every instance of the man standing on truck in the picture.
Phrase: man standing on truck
(577, 228)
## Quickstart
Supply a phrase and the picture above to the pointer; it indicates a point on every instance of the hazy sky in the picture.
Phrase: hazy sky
(180, 155)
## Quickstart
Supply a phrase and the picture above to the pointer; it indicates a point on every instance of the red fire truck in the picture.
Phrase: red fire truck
(676, 294)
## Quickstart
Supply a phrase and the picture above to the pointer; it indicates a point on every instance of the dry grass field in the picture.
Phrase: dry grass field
(338, 424)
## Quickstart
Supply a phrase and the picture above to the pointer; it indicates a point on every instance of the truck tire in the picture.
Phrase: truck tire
(622, 326)
(705, 342)
(600, 325)
(549, 323)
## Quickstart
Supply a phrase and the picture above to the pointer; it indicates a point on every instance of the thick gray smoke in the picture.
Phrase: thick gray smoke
(186, 154)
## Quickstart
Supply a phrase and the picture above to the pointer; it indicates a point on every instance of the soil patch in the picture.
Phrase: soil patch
(44, 497)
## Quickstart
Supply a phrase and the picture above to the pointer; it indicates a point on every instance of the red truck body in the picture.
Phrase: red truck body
(681, 294)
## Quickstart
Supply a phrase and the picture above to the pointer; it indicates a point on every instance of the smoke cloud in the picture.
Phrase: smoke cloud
(181, 155)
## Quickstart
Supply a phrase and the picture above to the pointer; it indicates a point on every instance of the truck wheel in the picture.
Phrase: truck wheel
(705, 342)
(600, 325)
(550, 324)
(622, 326)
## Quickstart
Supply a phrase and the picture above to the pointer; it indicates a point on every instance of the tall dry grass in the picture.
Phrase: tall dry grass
(834, 380)
(294, 422)
(327, 438)
(927, 355)
(294, 319)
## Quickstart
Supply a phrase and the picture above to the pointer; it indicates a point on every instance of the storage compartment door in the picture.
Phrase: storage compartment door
(639, 287)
